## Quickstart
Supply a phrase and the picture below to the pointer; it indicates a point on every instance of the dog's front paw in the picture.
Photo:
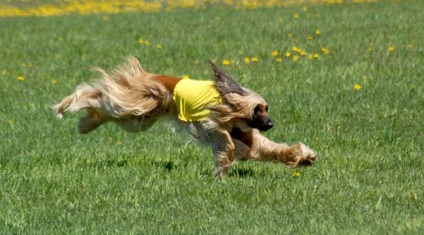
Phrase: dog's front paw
(301, 155)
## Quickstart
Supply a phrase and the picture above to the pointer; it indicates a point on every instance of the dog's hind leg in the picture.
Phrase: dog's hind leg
(91, 121)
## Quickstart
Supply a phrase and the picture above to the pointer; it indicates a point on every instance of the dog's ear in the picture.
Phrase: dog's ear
(224, 83)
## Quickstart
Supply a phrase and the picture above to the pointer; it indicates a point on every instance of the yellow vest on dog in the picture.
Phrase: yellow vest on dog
(192, 98)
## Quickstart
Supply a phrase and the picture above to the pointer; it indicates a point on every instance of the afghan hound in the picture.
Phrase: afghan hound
(219, 113)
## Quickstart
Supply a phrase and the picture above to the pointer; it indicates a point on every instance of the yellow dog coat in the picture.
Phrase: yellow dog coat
(192, 98)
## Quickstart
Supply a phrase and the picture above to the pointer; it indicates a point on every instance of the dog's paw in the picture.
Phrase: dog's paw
(302, 155)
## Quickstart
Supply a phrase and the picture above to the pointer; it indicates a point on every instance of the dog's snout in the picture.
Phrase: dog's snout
(269, 124)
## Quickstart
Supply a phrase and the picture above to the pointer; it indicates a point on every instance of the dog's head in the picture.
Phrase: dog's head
(245, 104)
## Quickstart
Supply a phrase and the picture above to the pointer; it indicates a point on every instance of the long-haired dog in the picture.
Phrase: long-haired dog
(219, 113)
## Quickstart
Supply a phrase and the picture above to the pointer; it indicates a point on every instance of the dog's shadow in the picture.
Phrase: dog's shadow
(165, 165)
(242, 172)
(110, 163)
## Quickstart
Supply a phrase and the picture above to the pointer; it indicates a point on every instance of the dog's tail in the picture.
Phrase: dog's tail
(126, 91)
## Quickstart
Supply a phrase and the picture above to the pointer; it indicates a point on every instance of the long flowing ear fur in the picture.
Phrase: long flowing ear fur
(224, 83)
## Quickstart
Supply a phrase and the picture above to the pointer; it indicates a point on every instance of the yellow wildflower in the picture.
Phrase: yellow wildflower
(246, 60)
(141, 41)
(274, 53)
(315, 55)
(357, 87)
(391, 48)
(325, 51)
(10, 121)
(159, 46)
(255, 59)
(288, 54)
(147, 43)
(296, 174)
(318, 32)
(295, 58)
(303, 53)
(226, 62)
(310, 37)
(20, 78)
(296, 15)
(279, 59)
(410, 46)
(186, 76)
(54, 81)
(296, 49)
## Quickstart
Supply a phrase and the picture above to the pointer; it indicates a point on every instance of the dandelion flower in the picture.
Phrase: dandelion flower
(186, 76)
(226, 62)
(279, 59)
(310, 37)
(410, 46)
(357, 87)
(147, 43)
(246, 60)
(141, 41)
(296, 49)
(274, 53)
(315, 55)
(159, 46)
(288, 54)
(295, 58)
(20, 78)
(318, 32)
(54, 81)
(391, 48)
(296, 15)
(303, 53)
(255, 59)
(325, 51)
(296, 174)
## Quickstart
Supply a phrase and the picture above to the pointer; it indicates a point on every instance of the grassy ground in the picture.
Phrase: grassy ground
(353, 91)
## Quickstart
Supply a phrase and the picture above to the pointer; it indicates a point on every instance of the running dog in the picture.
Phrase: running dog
(219, 113)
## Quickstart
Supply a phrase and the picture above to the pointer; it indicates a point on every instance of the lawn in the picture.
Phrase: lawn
(346, 79)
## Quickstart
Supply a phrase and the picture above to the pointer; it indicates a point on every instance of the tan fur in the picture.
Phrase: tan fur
(135, 100)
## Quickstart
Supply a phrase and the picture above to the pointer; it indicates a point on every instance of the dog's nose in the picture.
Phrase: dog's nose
(269, 125)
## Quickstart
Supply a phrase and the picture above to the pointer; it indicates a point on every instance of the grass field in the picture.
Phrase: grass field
(346, 79)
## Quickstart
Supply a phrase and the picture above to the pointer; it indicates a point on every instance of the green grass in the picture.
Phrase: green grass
(369, 177)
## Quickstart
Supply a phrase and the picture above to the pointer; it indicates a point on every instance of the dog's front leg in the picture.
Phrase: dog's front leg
(223, 151)
(293, 156)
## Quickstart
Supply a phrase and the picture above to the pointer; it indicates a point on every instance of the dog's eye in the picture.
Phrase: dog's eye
(266, 108)
(257, 109)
